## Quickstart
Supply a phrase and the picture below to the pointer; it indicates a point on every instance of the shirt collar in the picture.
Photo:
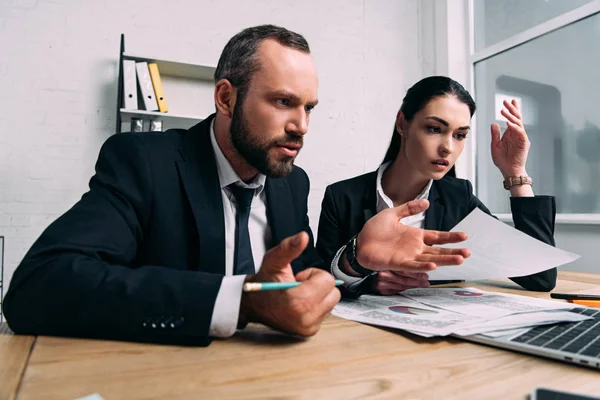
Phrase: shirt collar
(383, 201)
(227, 175)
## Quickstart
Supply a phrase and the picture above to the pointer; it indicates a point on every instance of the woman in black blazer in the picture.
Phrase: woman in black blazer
(429, 135)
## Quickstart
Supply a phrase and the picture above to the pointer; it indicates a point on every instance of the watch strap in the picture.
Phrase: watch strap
(351, 257)
(516, 181)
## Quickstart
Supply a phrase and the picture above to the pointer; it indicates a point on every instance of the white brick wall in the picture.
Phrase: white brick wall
(58, 70)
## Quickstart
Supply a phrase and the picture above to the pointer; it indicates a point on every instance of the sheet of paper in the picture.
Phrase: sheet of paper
(506, 332)
(499, 251)
(479, 303)
(462, 311)
(402, 313)
(422, 334)
(517, 321)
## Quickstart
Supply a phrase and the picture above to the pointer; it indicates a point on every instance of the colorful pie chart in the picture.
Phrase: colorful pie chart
(410, 310)
(466, 293)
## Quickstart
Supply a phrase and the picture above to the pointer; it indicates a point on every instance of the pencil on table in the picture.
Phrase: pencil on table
(260, 286)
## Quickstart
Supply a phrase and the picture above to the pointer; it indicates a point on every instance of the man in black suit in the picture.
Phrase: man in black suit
(175, 223)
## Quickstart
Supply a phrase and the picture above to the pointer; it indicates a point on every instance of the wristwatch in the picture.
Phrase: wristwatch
(351, 257)
(517, 180)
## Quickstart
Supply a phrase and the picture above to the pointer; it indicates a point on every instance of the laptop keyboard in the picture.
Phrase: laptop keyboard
(582, 338)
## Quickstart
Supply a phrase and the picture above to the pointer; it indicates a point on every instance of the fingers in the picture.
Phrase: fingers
(513, 107)
(441, 259)
(310, 322)
(283, 254)
(495, 128)
(518, 128)
(415, 266)
(437, 237)
(430, 259)
(316, 283)
(521, 136)
(320, 295)
(305, 274)
(315, 274)
(512, 118)
(389, 283)
(405, 278)
(446, 251)
(411, 208)
(327, 304)
(415, 275)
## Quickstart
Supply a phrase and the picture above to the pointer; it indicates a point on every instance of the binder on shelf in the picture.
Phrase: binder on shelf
(146, 88)
(158, 89)
(137, 125)
(130, 100)
(156, 126)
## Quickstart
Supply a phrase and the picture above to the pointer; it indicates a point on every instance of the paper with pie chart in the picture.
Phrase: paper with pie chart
(479, 303)
(462, 311)
(402, 313)
(499, 251)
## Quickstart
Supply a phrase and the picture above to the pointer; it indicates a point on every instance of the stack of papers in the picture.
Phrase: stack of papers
(460, 311)
(497, 251)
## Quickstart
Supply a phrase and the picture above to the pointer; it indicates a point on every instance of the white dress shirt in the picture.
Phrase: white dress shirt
(383, 203)
(227, 305)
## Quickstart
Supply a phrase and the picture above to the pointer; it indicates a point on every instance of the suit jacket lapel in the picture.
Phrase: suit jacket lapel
(435, 213)
(369, 212)
(280, 209)
(200, 179)
(370, 200)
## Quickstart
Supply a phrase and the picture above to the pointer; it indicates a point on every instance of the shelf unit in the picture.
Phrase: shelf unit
(188, 91)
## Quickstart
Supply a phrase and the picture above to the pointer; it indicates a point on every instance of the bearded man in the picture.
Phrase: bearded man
(175, 223)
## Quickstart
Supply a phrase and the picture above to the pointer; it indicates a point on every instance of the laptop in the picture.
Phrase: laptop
(573, 342)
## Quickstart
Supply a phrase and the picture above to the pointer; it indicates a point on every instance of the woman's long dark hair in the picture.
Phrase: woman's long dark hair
(418, 96)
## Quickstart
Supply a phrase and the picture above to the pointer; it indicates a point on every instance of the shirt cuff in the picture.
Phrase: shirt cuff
(227, 307)
(352, 283)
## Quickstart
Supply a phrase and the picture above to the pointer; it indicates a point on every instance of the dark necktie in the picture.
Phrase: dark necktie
(243, 263)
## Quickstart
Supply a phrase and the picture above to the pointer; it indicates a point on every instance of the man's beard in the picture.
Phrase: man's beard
(256, 151)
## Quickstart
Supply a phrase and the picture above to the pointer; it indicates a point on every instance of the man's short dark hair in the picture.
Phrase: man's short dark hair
(238, 61)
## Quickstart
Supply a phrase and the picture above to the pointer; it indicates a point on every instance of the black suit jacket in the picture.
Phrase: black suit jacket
(348, 204)
(145, 246)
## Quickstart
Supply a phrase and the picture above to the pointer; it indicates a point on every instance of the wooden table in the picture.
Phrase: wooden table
(345, 360)
(14, 355)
